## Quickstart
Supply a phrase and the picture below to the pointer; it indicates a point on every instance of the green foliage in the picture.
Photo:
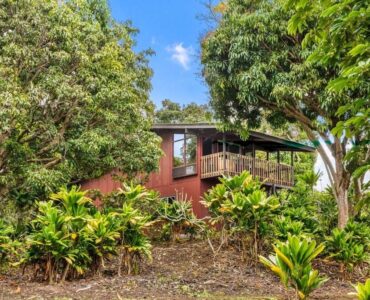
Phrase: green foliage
(256, 70)
(242, 207)
(7, 244)
(284, 227)
(310, 178)
(146, 201)
(134, 244)
(350, 246)
(178, 217)
(298, 205)
(70, 237)
(339, 32)
(73, 97)
(363, 290)
(292, 263)
(172, 112)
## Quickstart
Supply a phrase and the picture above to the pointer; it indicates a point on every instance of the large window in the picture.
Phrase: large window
(184, 154)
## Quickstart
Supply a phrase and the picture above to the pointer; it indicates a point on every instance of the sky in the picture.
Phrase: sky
(172, 29)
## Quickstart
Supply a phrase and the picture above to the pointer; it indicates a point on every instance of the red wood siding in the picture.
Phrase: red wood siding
(162, 180)
(105, 183)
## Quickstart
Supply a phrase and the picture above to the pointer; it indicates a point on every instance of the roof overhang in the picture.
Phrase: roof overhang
(211, 129)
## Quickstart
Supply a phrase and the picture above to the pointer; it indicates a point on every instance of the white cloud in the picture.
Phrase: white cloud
(181, 54)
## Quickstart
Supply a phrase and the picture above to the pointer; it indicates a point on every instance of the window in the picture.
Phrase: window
(184, 154)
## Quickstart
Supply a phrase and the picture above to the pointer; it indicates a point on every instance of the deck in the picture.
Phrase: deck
(270, 172)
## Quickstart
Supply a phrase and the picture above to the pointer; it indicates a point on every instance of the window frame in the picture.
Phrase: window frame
(176, 170)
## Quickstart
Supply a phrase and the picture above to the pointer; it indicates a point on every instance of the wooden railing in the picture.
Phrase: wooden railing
(214, 165)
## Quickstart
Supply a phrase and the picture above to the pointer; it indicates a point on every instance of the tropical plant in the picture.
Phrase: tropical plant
(69, 236)
(255, 70)
(178, 217)
(134, 245)
(7, 244)
(292, 262)
(310, 178)
(145, 200)
(102, 232)
(284, 227)
(74, 98)
(243, 209)
(348, 248)
(363, 290)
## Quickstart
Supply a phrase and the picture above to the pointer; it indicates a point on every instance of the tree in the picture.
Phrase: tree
(172, 112)
(73, 97)
(339, 33)
(254, 68)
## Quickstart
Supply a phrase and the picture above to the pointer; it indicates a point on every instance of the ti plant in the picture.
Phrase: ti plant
(102, 232)
(179, 217)
(143, 199)
(7, 245)
(134, 244)
(284, 227)
(363, 290)
(59, 244)
(243, 209)
(348, 248)
(292, 263)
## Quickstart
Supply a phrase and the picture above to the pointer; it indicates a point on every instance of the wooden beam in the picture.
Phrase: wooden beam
(224, 150)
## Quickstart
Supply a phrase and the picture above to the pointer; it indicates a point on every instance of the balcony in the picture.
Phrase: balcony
(269, 172)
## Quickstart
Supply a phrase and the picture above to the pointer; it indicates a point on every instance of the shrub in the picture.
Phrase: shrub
(349, 246)
(146, 201)
(58, 241)
(284, 226)
(69, 237)
(102, 232)
(7, 244)
(363, 290)
(178, 217)
(134, 244)
(243, 209)
(292, 263)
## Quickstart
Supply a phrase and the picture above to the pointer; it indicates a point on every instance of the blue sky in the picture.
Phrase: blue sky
(172, 30)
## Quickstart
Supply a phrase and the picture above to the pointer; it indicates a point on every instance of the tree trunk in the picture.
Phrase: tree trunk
(339, 177)
(343, 206)
(341, 184)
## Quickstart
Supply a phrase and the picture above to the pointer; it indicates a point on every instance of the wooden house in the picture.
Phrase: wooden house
(196, 155)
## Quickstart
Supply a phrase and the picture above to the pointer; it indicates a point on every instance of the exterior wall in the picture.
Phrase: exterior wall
(104, 183)
(163, 182)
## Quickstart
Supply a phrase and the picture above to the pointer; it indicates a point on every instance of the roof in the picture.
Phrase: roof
(258, 137)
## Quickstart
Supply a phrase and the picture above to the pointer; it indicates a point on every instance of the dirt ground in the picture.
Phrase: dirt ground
(178, 271)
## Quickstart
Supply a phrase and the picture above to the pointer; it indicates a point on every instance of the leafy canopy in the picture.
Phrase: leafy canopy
(73, 97)
(172, 112)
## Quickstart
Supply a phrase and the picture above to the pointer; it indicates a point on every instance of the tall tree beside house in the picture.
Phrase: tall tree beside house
(172, 112)
(339, 32)
(254, 68)
(73, 97)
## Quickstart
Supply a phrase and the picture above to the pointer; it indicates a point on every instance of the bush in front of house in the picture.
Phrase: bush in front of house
(244, 211)
(292, 262)
(69, 237)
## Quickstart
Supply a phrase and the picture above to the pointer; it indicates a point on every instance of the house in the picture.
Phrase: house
(196, 155)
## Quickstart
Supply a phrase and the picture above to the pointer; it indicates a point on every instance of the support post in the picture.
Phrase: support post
(253, 160)
(292, 165)
(224, 150)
